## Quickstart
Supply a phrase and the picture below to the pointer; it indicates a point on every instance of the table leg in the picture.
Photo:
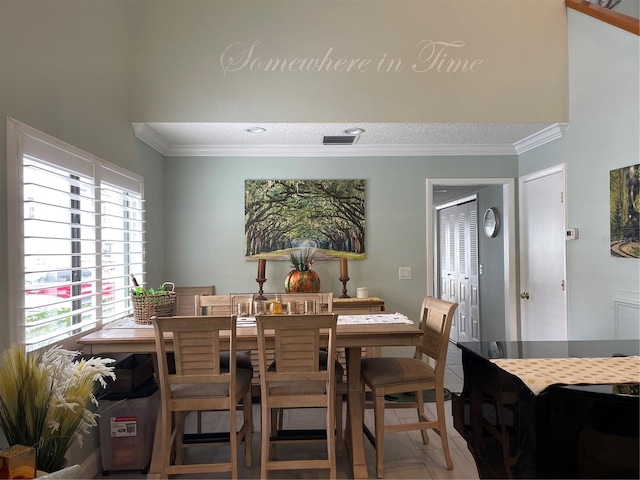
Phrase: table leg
(154, 467)
(355, 416)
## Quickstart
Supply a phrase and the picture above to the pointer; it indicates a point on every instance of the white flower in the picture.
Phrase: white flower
(44, 399)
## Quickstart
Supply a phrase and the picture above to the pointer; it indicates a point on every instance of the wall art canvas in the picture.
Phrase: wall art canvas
(624, 198)
(325, 215)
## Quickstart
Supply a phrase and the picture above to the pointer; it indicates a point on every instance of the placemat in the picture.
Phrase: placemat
(374, 318)
(540, 373)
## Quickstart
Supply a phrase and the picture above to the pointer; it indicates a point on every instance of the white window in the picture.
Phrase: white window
(77, 235)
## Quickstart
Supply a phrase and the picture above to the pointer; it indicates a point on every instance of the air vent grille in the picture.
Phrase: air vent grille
(338, 139)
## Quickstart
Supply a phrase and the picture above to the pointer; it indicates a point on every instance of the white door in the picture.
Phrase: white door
(542, 246)
(458, 266)
(447, 262)
(462, 277)
(474, 285)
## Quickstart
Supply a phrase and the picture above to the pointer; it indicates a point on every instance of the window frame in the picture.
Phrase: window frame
(103, 172)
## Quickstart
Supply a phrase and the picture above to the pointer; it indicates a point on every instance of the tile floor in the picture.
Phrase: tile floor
(406, 457)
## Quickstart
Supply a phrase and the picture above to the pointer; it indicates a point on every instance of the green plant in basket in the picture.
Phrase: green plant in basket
(156, 295)
(161, 290)
(152, 302)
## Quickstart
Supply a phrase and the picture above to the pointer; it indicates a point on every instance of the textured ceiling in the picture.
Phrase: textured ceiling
(287, 139)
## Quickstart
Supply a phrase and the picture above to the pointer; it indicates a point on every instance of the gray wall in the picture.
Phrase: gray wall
(491, 255)
(180, 67)
(64, 71)
(604, 134)
(204, 207)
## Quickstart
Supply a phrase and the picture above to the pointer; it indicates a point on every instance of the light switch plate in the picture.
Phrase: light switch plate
(404, 273)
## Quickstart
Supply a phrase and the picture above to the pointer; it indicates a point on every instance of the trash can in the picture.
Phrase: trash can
(127, 422)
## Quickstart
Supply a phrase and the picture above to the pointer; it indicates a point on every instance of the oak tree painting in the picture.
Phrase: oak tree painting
(624, 205)
(327, 215)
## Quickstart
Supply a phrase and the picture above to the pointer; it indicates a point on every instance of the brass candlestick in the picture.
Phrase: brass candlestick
(344, 281)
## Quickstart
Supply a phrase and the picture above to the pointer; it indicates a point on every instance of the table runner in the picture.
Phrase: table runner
(129, 322)
(540, 373)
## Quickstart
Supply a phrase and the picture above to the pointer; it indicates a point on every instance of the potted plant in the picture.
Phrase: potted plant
(152, 302)
(46, 400)
(302, 278)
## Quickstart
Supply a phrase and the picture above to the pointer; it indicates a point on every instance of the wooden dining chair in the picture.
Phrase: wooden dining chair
(212, 305)
(200, 383)
(393, 375)
(220, 305)
(185, 296)
(296, 380)
(216, 305)
(324, 304)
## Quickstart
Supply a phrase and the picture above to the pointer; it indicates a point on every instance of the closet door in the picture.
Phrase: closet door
(458, 267)
(474, 292)
(462, 270)
(447, 261)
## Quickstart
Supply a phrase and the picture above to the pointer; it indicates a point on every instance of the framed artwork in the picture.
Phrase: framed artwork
(624, 206)
(327, 216)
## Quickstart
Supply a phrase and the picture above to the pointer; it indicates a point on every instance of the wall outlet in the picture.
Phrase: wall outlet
(404, 273)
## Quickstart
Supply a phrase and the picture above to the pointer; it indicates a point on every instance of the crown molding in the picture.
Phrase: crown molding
(338, 150)
(151, 138)
(546, 135)
(157, 142)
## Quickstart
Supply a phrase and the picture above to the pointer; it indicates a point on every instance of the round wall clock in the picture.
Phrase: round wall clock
(491, 222)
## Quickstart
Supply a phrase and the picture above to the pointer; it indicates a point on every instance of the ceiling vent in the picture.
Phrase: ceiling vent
(338, 139)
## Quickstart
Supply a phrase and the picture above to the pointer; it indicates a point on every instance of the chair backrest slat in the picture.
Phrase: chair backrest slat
(297, 340)
(197, 342)
(185, 296)
(221, 304)
(435, 322)
(213, 305)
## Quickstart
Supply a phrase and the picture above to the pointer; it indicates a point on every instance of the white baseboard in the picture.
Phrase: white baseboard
(92, 466)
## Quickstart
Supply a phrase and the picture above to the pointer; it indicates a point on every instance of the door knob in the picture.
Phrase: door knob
(525, 295)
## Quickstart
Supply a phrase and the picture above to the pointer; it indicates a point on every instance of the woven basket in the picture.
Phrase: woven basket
(147, 306)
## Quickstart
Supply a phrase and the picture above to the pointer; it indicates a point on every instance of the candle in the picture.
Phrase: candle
(344, 268)
(262, 263)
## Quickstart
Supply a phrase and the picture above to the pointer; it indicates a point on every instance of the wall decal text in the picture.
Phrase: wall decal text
(431, 56)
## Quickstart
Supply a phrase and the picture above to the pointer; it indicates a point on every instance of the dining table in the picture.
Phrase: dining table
(353, 332)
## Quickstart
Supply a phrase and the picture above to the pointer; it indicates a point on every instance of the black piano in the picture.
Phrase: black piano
(587, 431)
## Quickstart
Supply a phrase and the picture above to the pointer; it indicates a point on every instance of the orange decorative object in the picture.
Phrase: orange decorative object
(306, 281)
(18, 461)
(275, 307)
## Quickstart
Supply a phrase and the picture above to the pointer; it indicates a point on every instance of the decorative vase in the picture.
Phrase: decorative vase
(306, 281)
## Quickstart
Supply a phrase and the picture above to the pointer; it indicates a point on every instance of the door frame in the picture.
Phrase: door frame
(508, 221)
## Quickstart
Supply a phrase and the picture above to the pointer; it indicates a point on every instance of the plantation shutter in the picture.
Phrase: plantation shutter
(82, 236)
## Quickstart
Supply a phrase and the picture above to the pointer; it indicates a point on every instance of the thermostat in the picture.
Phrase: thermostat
(571, 233)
